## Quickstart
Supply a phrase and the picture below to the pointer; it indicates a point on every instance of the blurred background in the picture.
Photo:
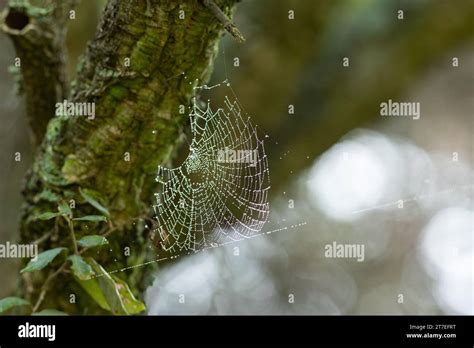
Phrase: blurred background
(401, 187)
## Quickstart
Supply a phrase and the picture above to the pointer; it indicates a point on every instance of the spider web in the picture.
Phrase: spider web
(220, 192)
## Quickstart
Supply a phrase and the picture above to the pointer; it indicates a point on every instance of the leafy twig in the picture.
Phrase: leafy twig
(42, 238)
(225, 21)
(73, 235)
(44, 288)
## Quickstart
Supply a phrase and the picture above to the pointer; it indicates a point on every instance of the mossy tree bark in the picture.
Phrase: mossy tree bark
(38, 35)
(141, 66)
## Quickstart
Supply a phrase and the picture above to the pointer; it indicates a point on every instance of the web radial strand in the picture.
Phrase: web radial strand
(220, 192)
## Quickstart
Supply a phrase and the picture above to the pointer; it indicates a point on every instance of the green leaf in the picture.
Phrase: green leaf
(117, 293)
(64, 209)
(108, 288)
(81, 268)
(110, 293)
(92, 218)
(11, 302)
(42, 260)
(47, 216)
(92, 287)
(131, 304)
(47, 195)
(87, 196)
(50, 312)
(92, 241)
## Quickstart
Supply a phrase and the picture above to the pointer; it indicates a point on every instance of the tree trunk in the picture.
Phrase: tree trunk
(141, 66)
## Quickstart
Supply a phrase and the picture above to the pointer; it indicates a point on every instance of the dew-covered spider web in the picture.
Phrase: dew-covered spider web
(220, 192)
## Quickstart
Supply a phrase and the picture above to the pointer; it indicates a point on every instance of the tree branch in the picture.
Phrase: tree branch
(224, 20)
(38, 35)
